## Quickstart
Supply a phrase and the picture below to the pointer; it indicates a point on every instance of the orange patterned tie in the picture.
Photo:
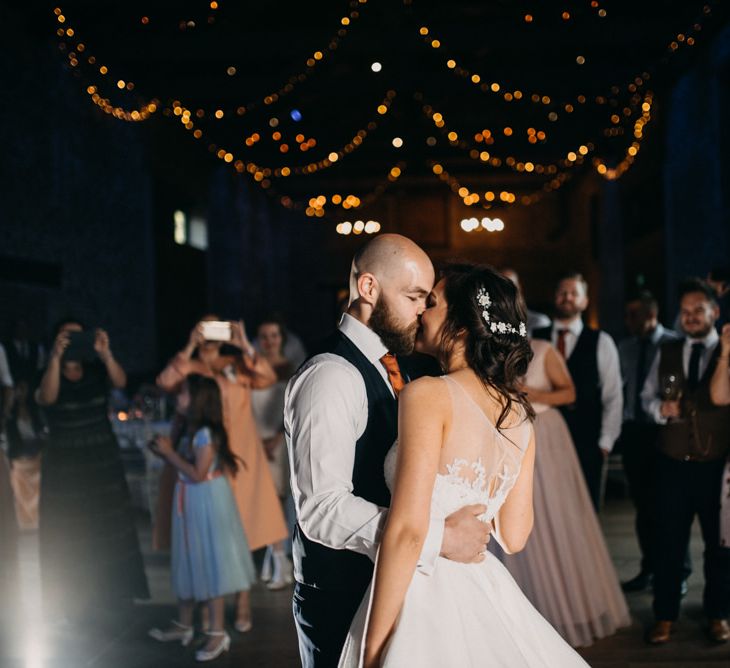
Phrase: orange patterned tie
(390, 362)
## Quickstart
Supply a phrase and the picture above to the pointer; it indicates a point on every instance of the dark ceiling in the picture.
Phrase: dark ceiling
(586, 61)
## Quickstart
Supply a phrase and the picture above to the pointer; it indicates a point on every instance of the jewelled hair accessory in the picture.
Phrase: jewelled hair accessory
(502, 327)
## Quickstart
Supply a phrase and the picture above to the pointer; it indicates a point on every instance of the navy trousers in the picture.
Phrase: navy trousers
(323, 619)
(684, 490)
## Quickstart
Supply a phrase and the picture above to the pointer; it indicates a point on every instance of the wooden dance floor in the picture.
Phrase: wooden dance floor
(118, 639)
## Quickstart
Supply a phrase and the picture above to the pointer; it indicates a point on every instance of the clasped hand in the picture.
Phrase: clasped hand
(465, 536)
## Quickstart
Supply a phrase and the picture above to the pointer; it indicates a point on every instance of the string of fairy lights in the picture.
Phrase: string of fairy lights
(103, 86)
(501, 89)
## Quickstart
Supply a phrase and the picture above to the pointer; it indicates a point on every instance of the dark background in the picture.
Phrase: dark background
(86, 218)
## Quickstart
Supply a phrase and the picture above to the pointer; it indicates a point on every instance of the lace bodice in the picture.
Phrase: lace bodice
(479, 464)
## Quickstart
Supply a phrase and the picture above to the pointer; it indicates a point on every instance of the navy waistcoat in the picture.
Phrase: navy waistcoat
(585, 416)
(326, 568)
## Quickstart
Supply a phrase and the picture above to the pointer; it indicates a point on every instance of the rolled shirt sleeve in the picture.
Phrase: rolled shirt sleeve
(325, 414)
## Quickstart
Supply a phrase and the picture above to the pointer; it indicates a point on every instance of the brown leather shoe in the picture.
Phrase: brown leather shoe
(660, 633)
(719, 630)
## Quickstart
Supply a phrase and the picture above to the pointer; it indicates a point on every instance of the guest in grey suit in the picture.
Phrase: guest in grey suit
(639, 432)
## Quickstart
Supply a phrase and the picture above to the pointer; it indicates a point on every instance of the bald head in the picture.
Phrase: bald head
(390, 258)
(390, 280)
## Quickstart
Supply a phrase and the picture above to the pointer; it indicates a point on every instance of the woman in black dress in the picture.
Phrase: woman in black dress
(88, 542)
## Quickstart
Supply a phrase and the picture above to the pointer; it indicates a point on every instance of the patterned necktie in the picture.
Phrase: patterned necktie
(561, 341)
(390, 362)
(693, 378)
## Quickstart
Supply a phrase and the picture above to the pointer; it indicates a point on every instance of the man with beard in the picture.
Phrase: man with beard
(694, 440)
(340, 421)
(594, 419)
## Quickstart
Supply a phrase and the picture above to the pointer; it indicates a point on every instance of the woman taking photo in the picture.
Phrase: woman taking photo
(236, 375)
(88, 541)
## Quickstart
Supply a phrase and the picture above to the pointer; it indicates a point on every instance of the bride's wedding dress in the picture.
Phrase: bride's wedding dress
(465, 615)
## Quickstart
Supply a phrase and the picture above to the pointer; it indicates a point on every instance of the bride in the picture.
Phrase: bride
(464, 438)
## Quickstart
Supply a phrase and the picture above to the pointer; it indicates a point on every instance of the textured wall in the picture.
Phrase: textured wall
(696, 176)
(76, 195)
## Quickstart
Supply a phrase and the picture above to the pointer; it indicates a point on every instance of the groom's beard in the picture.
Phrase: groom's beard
(398, 340)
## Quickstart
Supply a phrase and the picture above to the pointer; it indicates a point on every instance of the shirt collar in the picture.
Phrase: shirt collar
(366, 340)
(657, 334)
(575, 327)
(710, 340)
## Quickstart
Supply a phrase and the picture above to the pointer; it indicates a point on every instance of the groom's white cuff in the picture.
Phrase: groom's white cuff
(431, 547)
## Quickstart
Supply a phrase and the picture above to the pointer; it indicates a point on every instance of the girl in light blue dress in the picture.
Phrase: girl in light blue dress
(210, 553)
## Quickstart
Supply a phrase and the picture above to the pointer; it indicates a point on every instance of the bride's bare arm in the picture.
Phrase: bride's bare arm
(563, 391)
(422, 417)
(513, 522)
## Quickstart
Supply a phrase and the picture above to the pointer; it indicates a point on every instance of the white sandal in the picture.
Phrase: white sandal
(176, 632)
(223, 646)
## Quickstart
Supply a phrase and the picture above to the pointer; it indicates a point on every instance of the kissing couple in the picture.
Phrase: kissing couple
(399, 485)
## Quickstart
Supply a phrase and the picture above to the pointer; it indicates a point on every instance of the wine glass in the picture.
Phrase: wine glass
(672, 388)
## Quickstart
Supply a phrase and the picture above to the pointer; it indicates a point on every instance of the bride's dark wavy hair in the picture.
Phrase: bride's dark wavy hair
(500, 360)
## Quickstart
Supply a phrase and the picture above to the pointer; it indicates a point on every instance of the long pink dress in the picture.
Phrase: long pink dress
(253, 487)
(565, 569)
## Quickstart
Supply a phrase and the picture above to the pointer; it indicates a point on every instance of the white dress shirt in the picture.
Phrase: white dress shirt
(651, 394)
(325, 413)
(6, 378)
(609, 378)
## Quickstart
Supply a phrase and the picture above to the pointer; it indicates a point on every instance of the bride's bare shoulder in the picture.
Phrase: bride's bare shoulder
(426, 389)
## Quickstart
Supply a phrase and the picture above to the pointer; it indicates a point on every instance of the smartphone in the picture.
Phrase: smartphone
(80, 347)
(215, 330)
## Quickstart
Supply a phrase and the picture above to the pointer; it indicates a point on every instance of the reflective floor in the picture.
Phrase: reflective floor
(117, 638)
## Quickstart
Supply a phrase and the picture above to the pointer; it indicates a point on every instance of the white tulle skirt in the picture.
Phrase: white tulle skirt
(465, 615)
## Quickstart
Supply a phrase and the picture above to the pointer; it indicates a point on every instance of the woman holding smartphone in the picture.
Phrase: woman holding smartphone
(237, 375)
(88, 542)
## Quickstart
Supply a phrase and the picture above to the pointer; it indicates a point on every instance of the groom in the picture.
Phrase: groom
(341, 419)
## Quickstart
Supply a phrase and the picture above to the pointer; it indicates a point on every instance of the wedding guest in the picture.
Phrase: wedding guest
(594, 419)
(237, 375)
(720, 395)
(565, 569)
(210, 554)
(89, 550)
(694, 440)
(26, 437)
(535, 319)
(8, 539)
(293, 350)
(639, 432)
(718, 278)
(268, 412)
(6, 398)
(26, 357)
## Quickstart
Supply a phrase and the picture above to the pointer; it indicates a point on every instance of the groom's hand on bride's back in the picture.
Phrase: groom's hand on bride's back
(465, 537)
